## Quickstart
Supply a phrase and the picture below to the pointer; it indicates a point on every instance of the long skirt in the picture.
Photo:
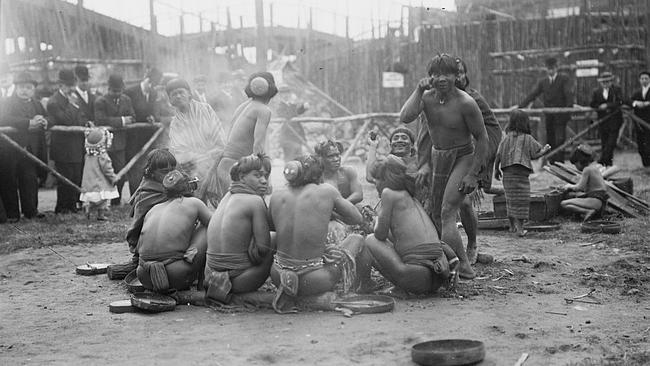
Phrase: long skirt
(517, 187)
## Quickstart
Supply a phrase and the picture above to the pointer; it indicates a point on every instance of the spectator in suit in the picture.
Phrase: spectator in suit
(115, 110)
(143, 98)
(66, 149)
(556, 90)
(19, 175)
(641, 105)
(86, 97)
(607, 99)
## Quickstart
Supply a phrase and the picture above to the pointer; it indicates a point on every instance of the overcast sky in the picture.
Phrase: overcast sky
(328, 15)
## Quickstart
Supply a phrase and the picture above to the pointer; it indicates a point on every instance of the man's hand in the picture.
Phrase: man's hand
(151, 119)
(128, 120)
(468, 184)
(497, 174)
(567, 187)
(422, 176)
(546, 149)
(425, 84)
(603, 106)
(37, 122)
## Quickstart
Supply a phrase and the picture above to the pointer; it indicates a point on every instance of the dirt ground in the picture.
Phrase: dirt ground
(50, 315)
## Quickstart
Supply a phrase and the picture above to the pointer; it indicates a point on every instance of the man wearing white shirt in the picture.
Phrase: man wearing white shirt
(641, 104)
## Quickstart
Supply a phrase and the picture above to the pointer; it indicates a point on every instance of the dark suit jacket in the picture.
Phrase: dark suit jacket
(142, 107)
(614, 102)
(108, 113)
(558, 94)
(17, 113)
(643, 113)
(88, 109)
(65, 147)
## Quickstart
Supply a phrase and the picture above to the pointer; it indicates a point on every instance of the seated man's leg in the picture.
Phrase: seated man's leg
(409, 277)
(469, 219)
(451, 202)
(315, 282)
(586, 206)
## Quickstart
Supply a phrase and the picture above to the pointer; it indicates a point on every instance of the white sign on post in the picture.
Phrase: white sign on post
(392, 80)
(583, 73)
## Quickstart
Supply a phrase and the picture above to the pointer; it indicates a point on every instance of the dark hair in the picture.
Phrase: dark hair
(405, 130)
(644, 73)
(249, 163)
(177, 83)
(158, 159)
(273, 90)
(391, 173)
(442, 64)
(550, 62)
(519, 122)
(154, 75)
(303, 170)
(582, 155)
(458, 81)
(323, 147)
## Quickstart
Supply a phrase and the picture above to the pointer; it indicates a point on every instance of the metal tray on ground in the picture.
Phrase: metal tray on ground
(90, 269)
(448, 352)
(368, 304)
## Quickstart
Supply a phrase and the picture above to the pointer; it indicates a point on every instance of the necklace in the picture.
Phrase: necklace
(441, 101)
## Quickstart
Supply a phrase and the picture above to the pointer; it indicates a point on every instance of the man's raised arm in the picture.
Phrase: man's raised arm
(413, 106)
(259, 136)
(345, 209)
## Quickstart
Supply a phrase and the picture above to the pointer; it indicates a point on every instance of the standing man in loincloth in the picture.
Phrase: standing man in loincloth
(404, 247)
(239, 255)
(303, 264)
(248, 128)
(171, 245)
(453, 119)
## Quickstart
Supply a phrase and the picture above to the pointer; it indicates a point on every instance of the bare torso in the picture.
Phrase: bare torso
(168, 227)
(339, 180)
(231, 228)
(446, 122)
(409, 223)
(248, 125)
(593, 180)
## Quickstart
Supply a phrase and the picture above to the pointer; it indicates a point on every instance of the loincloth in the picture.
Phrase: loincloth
(442, 165)
(155, 269)
(219, 270)
(600, 195)
(290, 271)
(429, 255)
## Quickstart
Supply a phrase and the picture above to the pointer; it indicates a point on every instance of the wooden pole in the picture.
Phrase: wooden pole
(38, 161)
(360, 133)
(140, 153)
(579, 134)
(153, 34)
(260, 53)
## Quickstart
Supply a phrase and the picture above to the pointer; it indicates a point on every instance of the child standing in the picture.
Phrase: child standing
(594, 201)
(514, 156)
(98, 179)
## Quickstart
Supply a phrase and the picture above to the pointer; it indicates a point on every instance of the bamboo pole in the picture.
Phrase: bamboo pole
(140, 153)
(580, 134)
(38, 161)
(354, 143)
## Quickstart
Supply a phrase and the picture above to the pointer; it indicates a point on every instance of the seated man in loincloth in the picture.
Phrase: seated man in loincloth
(171, 246)
(303, 264)
(453, 118)
(343, 178)
(405, 247)
(239, 255)
(594, 201)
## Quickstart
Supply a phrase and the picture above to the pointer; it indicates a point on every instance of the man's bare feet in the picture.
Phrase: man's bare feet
(472, 253)
(589, 215)
(465, 271)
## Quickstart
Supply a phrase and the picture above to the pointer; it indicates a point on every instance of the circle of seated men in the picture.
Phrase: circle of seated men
(231, 252)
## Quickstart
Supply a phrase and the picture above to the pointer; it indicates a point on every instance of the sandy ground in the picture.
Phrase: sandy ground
(50, 315)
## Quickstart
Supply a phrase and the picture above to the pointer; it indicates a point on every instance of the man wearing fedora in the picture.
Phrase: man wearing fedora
(640, 101)
(83, 92)
(115, 110)
(556, 90)
(66, 149)
(607, 100)
(18, 174)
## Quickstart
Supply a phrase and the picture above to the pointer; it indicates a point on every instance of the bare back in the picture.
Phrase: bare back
(248, 129)
(406, 220)
(592, 180)
(239, 218)
(168, 226)
(301, 216)
(450, 124)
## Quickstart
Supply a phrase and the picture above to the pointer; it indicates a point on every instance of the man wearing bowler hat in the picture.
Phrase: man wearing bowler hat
(115, 110)
(18, 174)
(66, 148)
(556, 90)
(607, 100)
(83, 92)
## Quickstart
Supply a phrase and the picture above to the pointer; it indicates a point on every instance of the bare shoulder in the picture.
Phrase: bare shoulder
(349, 171)
(390, 195)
